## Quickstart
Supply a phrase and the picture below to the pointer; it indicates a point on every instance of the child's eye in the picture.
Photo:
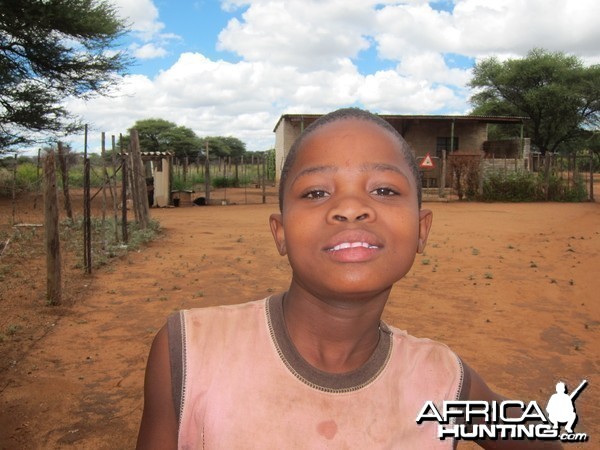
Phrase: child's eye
(385, 192)
(315, 194)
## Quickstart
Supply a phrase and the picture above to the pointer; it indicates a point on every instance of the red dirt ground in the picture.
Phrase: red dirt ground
(512, 288)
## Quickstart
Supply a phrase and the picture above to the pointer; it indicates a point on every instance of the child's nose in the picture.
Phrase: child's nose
(351, 209)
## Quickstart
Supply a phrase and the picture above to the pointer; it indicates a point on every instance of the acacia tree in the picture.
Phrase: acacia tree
(159, 135)
(559, 95)
(49, 51)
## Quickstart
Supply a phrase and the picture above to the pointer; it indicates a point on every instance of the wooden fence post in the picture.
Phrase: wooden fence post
(124, 233)
(442, 189)
(140, 195)
(591, 176)
(207, 176)
(87, 217)
(87, 208)
(64, 172)
(53, 262)
(264, 181)
(104, 181)
(481, 175)
(14, 191)
(113, 187)
(39, 183)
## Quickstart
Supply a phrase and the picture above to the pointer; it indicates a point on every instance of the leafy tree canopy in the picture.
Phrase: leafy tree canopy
(51, 50)
(159, 135)
(224, 146)
(230, 146)
(559, 95)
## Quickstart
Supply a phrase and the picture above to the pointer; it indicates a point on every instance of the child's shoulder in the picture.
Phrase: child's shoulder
(222, 310)
(403, 336)
(424, 350)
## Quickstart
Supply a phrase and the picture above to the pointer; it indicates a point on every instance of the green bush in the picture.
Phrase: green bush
(510, 187)
(222, 182)
(192, 181)
(523, 186)
(560, 191)
(104, 243)
(25, 180)
(76, 176)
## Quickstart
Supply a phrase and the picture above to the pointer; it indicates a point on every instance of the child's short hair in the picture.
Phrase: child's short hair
(342, 114)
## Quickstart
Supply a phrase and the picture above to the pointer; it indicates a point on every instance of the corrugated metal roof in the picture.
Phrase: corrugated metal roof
(487, 119)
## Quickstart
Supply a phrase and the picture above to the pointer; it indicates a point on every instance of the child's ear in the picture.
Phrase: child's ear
(425, 218)
(276, 223)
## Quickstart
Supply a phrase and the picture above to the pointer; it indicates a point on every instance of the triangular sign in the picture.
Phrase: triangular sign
(427, 162)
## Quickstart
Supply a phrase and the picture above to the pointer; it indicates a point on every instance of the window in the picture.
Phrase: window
(444, 143)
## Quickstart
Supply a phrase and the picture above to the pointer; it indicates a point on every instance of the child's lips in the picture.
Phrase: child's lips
(352, 239)
(353, 246)
(346, 245)
(353, 252)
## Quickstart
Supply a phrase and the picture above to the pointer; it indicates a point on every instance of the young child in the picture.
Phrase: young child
(315, 367)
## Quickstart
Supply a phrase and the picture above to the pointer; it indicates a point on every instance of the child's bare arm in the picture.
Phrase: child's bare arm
(479, 390)
(158, 429)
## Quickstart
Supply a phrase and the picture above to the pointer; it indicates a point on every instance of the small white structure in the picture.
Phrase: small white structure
(158, 177)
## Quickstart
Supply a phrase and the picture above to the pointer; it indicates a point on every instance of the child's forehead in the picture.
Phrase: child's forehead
(349, 124)
(348, 131)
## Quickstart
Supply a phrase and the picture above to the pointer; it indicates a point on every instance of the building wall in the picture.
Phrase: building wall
(422, 135)
(285, 135)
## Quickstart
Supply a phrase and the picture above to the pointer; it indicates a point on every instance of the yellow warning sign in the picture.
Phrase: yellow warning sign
(427, 162)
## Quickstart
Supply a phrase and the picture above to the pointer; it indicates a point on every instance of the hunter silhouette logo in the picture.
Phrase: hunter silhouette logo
(509, 419)
(561, 407)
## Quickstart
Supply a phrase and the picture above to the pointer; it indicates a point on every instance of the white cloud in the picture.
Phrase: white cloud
(513, 26)
(148, 51)
(431, 67)
(306, 34)
(142, 15)
(388, 92)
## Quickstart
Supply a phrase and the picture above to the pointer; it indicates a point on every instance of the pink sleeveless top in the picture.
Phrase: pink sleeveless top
(242, 384)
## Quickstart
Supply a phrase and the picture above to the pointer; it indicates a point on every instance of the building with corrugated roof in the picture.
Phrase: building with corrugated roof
(425, 134)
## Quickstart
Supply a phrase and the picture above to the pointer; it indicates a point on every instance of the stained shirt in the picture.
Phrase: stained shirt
(239, 382)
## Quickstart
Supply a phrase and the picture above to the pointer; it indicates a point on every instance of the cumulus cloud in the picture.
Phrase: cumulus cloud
(149, 39)
(148, 51)
(306, 57)
(310, 34)
(142, 16)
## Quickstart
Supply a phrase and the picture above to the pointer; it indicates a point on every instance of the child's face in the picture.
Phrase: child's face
(351, 223)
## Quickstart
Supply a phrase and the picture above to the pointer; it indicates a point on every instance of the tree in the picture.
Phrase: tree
(159, 135)
(559, 95)
(235, 148)
(225, 146)
(51, 50)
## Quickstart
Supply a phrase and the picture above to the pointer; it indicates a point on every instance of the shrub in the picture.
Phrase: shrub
(524, 186)
(222, 182)
(511, 187)
(465, 169)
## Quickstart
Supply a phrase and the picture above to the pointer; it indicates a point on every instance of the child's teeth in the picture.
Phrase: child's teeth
(345, 245)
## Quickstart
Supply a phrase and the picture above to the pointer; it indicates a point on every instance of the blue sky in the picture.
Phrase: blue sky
(233, 67)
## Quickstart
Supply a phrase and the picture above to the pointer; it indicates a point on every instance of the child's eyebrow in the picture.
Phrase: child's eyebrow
(382, 167)
(311, 170)
(378, 167)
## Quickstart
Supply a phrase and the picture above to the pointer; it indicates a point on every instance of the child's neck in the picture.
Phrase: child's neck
(335, 336)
